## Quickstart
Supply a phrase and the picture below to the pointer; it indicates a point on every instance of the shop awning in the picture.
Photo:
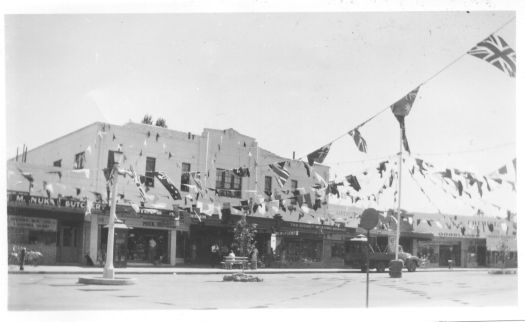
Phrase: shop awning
(423, 236)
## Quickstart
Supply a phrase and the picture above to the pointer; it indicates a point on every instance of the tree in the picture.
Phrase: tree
(161, 122)
(244, 234)
(503, 249)
(147, 120)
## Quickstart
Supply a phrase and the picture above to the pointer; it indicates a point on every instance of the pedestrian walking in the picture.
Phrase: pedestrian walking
(22, 258)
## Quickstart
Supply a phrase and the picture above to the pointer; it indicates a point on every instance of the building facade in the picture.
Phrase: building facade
(467, 241)
(60, 193)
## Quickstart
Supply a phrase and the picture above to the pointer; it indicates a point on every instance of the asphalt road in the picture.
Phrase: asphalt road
(201, 292)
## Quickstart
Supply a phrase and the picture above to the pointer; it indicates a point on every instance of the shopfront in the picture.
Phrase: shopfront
(467, 241)
(51, 226)
(147, 237)
(212, 230)
(502, 251)
(310, 245)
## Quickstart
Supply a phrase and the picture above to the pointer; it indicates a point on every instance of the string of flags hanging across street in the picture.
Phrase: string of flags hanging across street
(458, 184)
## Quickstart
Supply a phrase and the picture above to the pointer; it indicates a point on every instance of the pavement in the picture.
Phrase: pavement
(170, 270)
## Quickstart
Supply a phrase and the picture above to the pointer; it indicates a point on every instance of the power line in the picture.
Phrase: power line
(386, 157)
(420, 84)
(468, 151)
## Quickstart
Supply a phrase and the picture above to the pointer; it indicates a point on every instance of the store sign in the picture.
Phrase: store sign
(161, 223)
(287, 233)
(324, 228)
(27, 200)
(457, 235)
(32, 223)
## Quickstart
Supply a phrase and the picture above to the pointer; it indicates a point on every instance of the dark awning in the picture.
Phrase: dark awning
(423, 236)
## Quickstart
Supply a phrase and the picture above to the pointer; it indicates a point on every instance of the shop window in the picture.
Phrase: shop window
(150, 172)
(268, 185)
(185, 177)
(428, 253)
(302, 251)
(338, 250)
(57, 163)
(80, 160)
(228, 184)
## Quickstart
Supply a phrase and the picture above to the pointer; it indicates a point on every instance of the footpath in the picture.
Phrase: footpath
(170, 270)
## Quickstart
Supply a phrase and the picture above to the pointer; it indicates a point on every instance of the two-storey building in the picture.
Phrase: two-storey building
(58, 198)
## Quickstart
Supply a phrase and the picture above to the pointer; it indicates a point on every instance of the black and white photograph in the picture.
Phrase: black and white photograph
(250, 162)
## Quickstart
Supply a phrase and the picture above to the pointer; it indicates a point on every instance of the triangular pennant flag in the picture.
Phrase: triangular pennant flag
(307, 167)
(401, 109)
(497, 52)
(352, 181)
(359, 140)
(318, 155)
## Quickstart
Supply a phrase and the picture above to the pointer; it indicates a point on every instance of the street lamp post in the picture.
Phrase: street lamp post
(109, 270)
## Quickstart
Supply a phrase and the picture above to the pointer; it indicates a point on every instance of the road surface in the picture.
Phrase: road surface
(201, 292)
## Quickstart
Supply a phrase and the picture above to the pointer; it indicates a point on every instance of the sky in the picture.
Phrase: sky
(293, 81)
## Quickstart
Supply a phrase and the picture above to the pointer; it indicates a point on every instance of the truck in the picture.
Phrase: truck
(379, 258)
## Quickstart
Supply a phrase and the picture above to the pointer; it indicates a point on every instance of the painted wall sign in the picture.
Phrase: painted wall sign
(45, 224)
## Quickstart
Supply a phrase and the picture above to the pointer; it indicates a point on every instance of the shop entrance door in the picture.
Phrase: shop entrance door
(481, 255)
(68, 251)
(147, 246)
(449, 252)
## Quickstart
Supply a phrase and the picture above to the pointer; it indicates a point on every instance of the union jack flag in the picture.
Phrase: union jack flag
(281, 173)
(358, 139)
(318, 155)
(496, 51)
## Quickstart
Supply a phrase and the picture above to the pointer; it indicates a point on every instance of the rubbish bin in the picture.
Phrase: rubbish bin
(450, 263)
(396, 266)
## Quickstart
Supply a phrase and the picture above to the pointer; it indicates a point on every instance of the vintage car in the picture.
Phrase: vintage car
(379, 259)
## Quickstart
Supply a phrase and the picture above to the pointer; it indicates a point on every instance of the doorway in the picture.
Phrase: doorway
(68, 244)
(450, 252)
(481, 255)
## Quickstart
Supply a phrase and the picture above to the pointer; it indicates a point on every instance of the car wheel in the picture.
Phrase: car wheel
(363, 268)
(380, 267)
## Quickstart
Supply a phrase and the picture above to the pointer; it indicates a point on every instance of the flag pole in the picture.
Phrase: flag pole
(398, 230)
(206, 163)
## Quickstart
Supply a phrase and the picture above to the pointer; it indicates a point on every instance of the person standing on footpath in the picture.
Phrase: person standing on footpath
(22, 258)
(214, 256)
(152, 249)
(254, 255)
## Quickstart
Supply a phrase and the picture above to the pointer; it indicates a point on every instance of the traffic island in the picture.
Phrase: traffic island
(106, 281)
(502, 271)
(241, 277)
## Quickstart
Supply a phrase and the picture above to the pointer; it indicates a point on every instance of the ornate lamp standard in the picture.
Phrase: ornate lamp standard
(108, 277)
(109, 270)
